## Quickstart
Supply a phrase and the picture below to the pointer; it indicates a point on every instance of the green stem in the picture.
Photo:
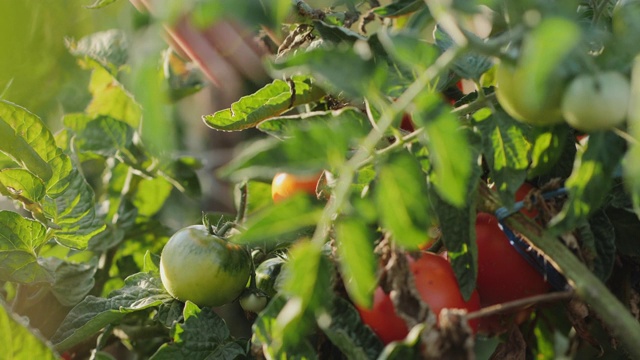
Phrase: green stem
(587, 286)
(348, 170)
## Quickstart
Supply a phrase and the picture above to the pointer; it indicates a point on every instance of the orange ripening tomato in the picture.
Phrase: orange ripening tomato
(285, 185)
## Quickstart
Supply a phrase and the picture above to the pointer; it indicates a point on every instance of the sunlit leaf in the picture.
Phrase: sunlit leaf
(357, 261)
(591, 179)
(18, 341)
(20, 239)
(270, 101)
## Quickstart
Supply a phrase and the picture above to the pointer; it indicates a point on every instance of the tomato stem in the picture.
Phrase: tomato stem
(587, 286)
(520, 303)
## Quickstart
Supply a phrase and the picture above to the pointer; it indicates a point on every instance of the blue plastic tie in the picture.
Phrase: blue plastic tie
(554, 278)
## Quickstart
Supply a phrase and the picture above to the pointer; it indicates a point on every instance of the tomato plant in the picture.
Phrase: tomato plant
(98, 177)
(203, 268)
(596, 102)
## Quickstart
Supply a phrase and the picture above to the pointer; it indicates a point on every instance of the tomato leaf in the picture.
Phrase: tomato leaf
(308, 276)
(18, 341)
(72, 281)
(399, 8)
(285, 221)
(548, 146)
(110, 98)
(202, 335)
(141, 291)
(104, 135)
(603, 243)
(403, 184)
(340, 69)
(356, 259)
(21, 185)
(306, 149)
(73, 213)
(109, 49)
(270, 101)
(267, 334)
(590, 180)
(506, 149)
(19, 243)
(347, 332)
(409, 49)
(450, 153)
(467, 66)
(458, 234)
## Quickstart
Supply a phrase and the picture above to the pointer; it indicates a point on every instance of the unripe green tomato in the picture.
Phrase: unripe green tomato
(253, 302)
(596, 102)
(268, 275)
(198, 266)
(516, 100)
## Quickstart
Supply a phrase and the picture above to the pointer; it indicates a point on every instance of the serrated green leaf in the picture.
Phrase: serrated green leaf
(450, 153)
(20, 239)
(21, 185)
(409, 49)
(286, 221)
(18, 341)
(111, 99)
(347, 332)
(590, 180)
(337, 34)
(268, 335)
(72, 281)
(270, 101)
(103, 135)
(356, 259)
(308, 277)
(108, 48)
(399, 8)
(468, 66)
(548, 145)
(32, 146)
(202, 335)
(281, 127)
(141, 291)
(403, 184)
(150, 195)
(339, 69)
(74, 214)
(458, 235)
(604, 244)
(506, 149)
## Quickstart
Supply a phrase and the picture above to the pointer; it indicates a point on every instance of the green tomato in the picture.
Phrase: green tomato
(203, 268)
(530, 89)
(596, 102)
(267, 275)
(515, 98)
(253, 302)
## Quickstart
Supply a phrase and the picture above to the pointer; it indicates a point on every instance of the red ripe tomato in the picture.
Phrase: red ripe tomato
(285, 185)
(437, 284)
(503, 274)
(438, 287)
(521, 193)
(382, 318)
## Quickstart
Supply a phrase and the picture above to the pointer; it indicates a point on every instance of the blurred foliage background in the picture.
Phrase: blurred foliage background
(36, 70)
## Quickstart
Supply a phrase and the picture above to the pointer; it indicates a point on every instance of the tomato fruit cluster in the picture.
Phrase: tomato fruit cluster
(203, 268)
(435, 281)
